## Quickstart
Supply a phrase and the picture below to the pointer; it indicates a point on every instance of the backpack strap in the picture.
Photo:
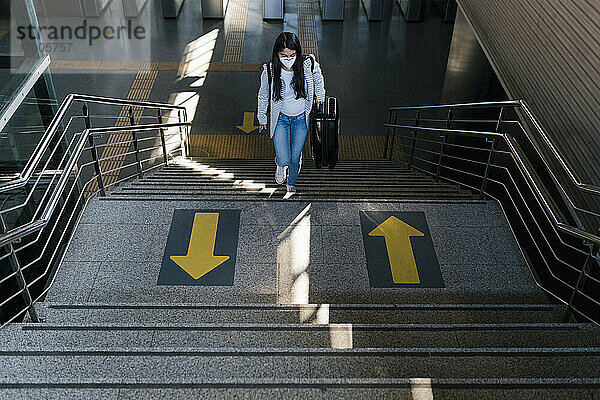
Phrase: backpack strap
(312, 63)
(270, 78)
(269, 104)
(312, 70)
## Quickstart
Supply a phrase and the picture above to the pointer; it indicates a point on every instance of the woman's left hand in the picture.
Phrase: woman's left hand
(318, 103)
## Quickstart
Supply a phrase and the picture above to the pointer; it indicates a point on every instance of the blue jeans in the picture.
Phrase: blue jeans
(290, 135)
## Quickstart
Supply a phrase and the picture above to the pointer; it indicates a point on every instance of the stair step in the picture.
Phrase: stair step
(303, 181)
(271, 165)
(329, 187)
(310, 314)
(323, 183)
(79, 336)
(374, 179)
(306, 388)
(304, 188)
(185, 364)
(298, 195)
(305, 166)
(270, 177)
(271, 161)
(365, 174)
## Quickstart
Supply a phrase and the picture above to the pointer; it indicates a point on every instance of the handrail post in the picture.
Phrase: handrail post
(162, 137)
(443, 145)
(449, 119)
(414, 138)
(136, 147)
(491, 155)
(585, 270)
(393, 137)
(487, 169)
(387, 136)
(182, 141)
(188, 129)
(188, 139)
(500, 120)
(16, 268)
(94, 151)
(440, 156)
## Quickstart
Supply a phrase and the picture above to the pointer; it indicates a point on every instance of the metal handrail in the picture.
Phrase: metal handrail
(26, 174)
(38, 224)
(510, 140)
(595, 189)
(61, 178)
(65, 106)
(487, 104)
(591, 188)
(445, 131)
(526, 169)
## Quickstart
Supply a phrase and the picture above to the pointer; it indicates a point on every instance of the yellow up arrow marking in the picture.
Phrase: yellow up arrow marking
(397, 235)
(200, 258)
(248, 125)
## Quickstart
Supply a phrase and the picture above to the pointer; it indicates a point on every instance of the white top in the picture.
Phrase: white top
(291, 105)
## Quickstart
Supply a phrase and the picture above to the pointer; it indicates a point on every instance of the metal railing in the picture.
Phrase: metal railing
(554, 215)
(40, 208)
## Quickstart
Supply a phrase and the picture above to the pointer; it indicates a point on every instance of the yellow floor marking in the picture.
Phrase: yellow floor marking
(89, 64)
(230, 66)
(70, 64)
(107, 65)
(130, 65)
(169, 66)
(200, 258)
(251, 67)
(397, 235)
(307, 28)
(214, 66)
(248, 124)
(235, 31)
(150, 66)
(57, 64)
(226, 145)
(110, 65)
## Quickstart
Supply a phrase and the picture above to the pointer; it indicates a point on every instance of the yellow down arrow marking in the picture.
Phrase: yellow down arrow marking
(248, 124)
(397, 235)
(200, 258)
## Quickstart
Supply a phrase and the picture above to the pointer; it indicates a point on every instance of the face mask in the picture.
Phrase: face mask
(288, 62)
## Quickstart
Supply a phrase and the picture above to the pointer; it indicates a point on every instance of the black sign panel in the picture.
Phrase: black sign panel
(399, 250)
(201, 248)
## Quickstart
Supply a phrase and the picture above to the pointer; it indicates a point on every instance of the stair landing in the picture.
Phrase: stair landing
(291, 252)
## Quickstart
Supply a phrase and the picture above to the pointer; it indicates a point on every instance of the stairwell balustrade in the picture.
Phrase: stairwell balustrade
(501, 151)
(84, 152)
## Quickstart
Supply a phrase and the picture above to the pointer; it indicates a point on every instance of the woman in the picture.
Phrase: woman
(299, 79)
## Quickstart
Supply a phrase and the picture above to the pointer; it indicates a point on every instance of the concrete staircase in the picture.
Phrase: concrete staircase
(301, 319)
(374, 179)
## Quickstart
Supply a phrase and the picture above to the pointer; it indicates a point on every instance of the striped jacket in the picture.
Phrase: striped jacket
(313, 84)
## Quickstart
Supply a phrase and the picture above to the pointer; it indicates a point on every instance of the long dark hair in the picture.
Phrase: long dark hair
(288, 40)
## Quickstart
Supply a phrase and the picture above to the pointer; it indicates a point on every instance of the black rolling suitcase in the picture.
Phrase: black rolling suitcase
(324, 132)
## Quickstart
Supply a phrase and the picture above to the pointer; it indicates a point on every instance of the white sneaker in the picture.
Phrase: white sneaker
(280, 174)
(291, 189)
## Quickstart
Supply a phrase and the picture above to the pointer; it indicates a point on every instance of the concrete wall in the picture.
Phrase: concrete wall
(547, 52)
(469, 75)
